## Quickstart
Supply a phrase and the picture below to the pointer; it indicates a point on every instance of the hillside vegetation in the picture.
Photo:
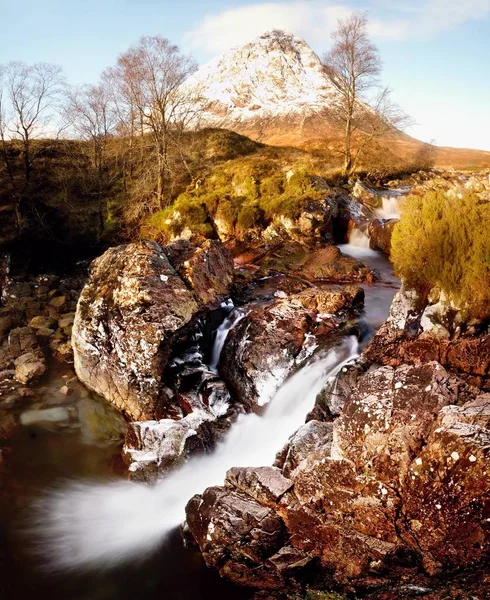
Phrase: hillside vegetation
(217, 175)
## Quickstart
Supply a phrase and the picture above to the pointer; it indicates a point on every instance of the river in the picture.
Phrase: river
(115, 520)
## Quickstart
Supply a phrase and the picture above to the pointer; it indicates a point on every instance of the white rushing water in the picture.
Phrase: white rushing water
(100, 525)
(390, 208)
(359, 238)
(222, 333)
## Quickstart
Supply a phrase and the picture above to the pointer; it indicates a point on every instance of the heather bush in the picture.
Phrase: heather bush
(442, 241)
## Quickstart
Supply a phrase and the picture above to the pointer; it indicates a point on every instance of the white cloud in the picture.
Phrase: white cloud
(314, 20)
(424, 19)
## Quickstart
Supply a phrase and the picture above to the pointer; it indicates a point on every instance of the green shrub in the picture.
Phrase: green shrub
(442, 241)
(228, 210)
(249, 217)
(187, 211)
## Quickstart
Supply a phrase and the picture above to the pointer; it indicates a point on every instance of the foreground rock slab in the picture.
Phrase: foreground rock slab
(397, 486)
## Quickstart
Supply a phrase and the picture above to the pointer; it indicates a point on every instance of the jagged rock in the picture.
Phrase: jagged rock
(131, 312)
(209, 272)
(380, 232)
(265, 484)
(366, 194)
(402, 339)
(389, 415)
(313, 438)
(237, 535)
(254, 371)
(329, 264)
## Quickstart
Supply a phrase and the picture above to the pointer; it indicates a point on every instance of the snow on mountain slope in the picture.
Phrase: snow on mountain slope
(275, 75)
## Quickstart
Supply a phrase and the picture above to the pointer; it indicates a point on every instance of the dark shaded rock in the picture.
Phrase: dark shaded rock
(284, 334)
(237, 536)
(330, 401)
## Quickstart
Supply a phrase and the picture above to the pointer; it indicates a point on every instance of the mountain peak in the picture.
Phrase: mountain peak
(275, 75)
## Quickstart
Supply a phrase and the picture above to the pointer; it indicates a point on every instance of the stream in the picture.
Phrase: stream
(129, 531)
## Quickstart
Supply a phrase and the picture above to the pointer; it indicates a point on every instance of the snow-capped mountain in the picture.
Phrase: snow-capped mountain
(277, 75)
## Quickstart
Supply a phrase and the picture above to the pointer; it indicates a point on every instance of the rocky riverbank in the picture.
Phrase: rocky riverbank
(393, 491)
(173, 344)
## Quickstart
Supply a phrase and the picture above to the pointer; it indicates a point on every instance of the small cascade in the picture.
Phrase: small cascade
(222, 333)
(390, 208)
(359, 238)
(100, 525)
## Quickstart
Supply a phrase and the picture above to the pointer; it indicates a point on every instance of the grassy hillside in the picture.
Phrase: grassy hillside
(216, 175)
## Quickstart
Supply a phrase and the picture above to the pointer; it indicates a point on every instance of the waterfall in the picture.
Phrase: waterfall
(222, 333)
(359, 238)
(390, 208)
(100, 525)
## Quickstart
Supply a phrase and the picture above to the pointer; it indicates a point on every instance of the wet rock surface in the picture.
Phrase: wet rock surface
(273, 339)
(380, 232)
(394, 491)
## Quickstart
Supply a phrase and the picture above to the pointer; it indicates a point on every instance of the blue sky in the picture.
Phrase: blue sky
(435, 52)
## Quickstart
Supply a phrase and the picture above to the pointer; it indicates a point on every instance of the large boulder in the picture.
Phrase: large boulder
(272, 339)
(394, 489)
(133, 309)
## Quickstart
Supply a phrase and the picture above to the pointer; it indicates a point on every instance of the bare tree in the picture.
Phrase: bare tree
(354, 67)
(33, 92)
(5, 152)
(90, 114)
(149, 78)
